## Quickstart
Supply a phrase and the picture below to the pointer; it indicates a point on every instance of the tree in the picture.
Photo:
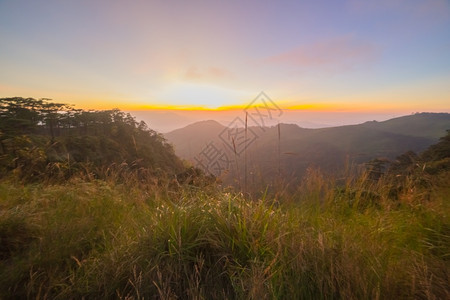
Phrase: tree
(404, 164)
(439, 151)
(56, 133)
(19, 114)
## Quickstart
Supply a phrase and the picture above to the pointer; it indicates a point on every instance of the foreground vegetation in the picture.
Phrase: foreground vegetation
(100, 240)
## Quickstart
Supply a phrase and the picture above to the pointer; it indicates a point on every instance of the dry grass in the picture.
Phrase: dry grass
(100, 239)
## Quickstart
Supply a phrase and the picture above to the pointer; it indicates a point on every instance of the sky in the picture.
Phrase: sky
(372, 58)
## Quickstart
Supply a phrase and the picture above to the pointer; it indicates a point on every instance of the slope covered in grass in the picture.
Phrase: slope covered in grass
(100, 240)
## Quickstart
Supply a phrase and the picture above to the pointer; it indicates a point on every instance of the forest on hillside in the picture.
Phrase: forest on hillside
(41, 139)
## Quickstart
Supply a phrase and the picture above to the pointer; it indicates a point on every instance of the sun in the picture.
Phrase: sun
(198, 96)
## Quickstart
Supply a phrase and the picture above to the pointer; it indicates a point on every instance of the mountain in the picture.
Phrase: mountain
(162, 121)
(190, 140)
(427, 125)
(289, 150)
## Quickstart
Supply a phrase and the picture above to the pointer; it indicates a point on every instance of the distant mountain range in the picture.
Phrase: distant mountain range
(288, 150)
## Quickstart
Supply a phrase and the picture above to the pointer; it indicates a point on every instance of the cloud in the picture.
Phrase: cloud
(428, 11)
(336, 52)
(437, 9)
(206, 74)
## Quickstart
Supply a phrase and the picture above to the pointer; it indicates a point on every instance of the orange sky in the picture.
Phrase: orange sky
(361, 56)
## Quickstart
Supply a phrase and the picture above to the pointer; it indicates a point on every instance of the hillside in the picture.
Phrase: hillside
(189, 141)
(96, 239)
(42, 140)
(289, 150)
(426, 125)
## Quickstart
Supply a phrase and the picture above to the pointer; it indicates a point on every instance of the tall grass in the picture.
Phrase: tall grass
(100, 239)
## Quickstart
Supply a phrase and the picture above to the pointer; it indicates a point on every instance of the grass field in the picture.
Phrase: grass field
(96, 239)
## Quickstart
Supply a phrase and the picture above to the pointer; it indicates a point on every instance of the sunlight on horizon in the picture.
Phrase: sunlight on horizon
(197, 96)
(129, 56)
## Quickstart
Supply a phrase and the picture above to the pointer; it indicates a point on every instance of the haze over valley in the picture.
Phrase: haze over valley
(290, 150)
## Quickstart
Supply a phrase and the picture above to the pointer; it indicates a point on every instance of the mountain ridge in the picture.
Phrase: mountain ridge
(292, 149)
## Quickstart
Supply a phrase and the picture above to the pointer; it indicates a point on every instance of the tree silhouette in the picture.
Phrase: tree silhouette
(57, 133)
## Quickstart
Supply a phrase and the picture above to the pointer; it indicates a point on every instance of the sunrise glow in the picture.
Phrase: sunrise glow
(353, 55)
